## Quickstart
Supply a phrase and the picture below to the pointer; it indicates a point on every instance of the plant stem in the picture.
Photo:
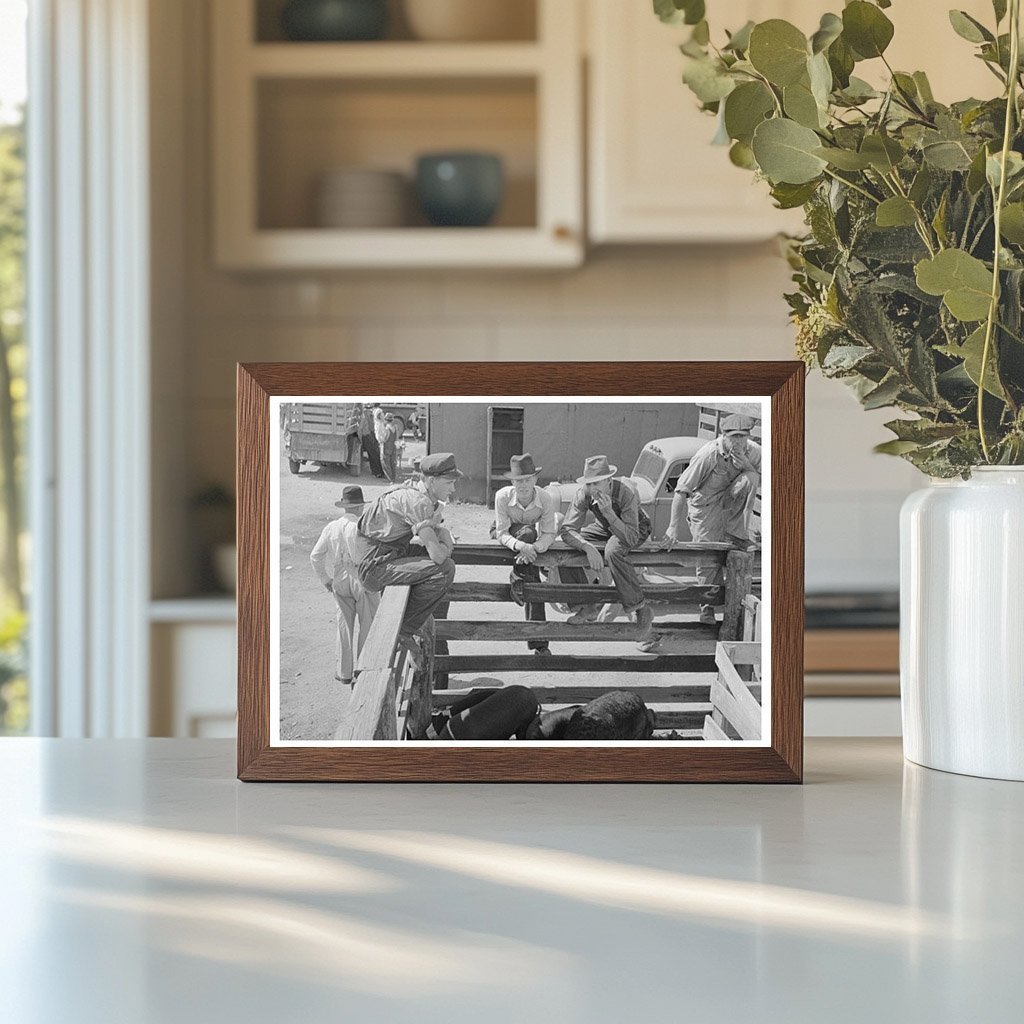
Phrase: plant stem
(855, 187)
(993, 309)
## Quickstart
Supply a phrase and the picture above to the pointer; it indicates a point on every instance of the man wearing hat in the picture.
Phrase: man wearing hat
(524, 522)
(715, 494)
(619, 525)
(389, 448)
(387, 528)
(333, 561)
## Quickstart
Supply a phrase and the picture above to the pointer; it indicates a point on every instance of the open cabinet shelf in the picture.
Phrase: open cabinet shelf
(287, 114)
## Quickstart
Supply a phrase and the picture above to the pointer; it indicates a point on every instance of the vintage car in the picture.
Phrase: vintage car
(654, 477)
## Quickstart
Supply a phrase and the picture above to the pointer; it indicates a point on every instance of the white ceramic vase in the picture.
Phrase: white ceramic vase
(962, 624)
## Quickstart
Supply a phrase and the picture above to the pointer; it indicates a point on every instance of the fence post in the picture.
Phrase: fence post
(739, 575)
(421, 690)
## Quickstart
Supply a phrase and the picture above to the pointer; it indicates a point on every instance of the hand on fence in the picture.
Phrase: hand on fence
(594, 558)
(668, 542)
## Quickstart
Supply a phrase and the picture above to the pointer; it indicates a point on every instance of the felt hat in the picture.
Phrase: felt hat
(737, 424)
(596, 468)
(440, 464)
(522, 465)
(351, 497)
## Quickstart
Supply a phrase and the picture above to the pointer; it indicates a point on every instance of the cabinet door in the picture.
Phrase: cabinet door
(654, 175)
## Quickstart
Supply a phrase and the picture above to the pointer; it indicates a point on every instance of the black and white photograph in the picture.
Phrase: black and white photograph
(500, 570)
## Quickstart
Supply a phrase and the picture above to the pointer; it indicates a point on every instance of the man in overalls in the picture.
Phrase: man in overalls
(387, 528)
(715, 494)
(619, 526)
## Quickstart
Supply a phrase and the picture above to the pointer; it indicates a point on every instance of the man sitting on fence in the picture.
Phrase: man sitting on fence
(619, 525)
(715, 494)
(524, 522)
(333, 562)
(387, 529)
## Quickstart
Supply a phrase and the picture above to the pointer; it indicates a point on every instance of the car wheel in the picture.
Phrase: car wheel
(294, 465)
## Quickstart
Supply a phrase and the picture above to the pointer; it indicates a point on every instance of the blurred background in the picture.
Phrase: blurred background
(250, 180)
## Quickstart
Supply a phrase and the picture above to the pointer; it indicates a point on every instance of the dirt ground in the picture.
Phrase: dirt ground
(312, 701)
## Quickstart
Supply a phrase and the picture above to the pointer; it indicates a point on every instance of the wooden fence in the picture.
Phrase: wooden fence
(389, 694)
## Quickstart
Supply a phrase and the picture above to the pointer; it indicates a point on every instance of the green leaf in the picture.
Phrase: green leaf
(976, 174)
(785, 152)
(778, 50)
(885, 394)
(676, 12)
(1012, 224)
(858, 91)
(896, 212)
(923, 431)
(820, 75)
(971, 352)
(883, 153)
(789, 197)
(963, 281)
(739, 41)
(708, 81)
(939, 220)
(841, 60)
(946, 156)
(924, 88)
(745, 108)
(895, 447)
(999, 6)
(866, 29)
(994, 167)
(799, 103)
(844, 159)
(921, 186)
(830, 29)
(968, 28)
(742, 155)
(701, 33)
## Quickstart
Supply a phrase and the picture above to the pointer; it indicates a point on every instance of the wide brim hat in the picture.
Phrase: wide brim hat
(595, 469)
(351, 497)
(521, 466)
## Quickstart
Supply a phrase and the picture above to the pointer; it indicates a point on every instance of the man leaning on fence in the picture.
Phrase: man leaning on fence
(387, 531)
(715, 494)
(524, 522)
(619, 525)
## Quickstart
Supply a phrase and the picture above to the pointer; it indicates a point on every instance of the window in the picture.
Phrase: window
(14, 706)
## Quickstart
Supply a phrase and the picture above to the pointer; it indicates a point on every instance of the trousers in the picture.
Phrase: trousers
(624, 573)
(355, 603)
(392, 565)
(530, 574)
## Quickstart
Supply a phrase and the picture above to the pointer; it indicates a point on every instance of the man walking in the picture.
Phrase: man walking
(619, 525)
(524, 522)
(715, 494)
(389, 448)
(387, 529)
(333, 562)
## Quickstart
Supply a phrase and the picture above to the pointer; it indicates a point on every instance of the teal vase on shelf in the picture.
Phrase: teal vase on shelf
(329, 21)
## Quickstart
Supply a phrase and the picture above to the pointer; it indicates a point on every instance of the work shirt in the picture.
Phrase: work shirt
(634, 528)
(539, 512)
(332, 557)
(379, 425)
(711, 473)
(398, 515)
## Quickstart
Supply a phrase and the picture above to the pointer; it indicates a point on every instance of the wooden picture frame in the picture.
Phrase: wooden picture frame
(779, 759)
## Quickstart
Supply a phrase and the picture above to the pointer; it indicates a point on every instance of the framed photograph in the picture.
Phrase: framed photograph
(516, 572)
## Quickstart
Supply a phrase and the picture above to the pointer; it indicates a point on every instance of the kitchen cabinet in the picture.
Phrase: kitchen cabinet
(653, 175)
(287, 113)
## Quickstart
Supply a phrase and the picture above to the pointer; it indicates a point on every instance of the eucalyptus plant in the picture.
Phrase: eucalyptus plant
(910, 278)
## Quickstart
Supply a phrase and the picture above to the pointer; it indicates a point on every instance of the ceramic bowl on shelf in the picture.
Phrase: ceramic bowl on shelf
(361, 198)
(334, 21)
(470, 20)
(460, 189)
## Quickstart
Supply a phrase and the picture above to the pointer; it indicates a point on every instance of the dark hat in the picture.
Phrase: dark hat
(389, 415)
(351, 497)
(440, 464)
(737, 424)
(522, 465)
(596, 468)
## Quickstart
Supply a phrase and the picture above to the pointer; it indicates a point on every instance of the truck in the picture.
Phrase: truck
(323, 433)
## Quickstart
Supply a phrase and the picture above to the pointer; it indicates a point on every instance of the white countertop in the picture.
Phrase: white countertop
(142, 884)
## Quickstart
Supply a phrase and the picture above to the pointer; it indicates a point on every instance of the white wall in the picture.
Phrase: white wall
(653, 303)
